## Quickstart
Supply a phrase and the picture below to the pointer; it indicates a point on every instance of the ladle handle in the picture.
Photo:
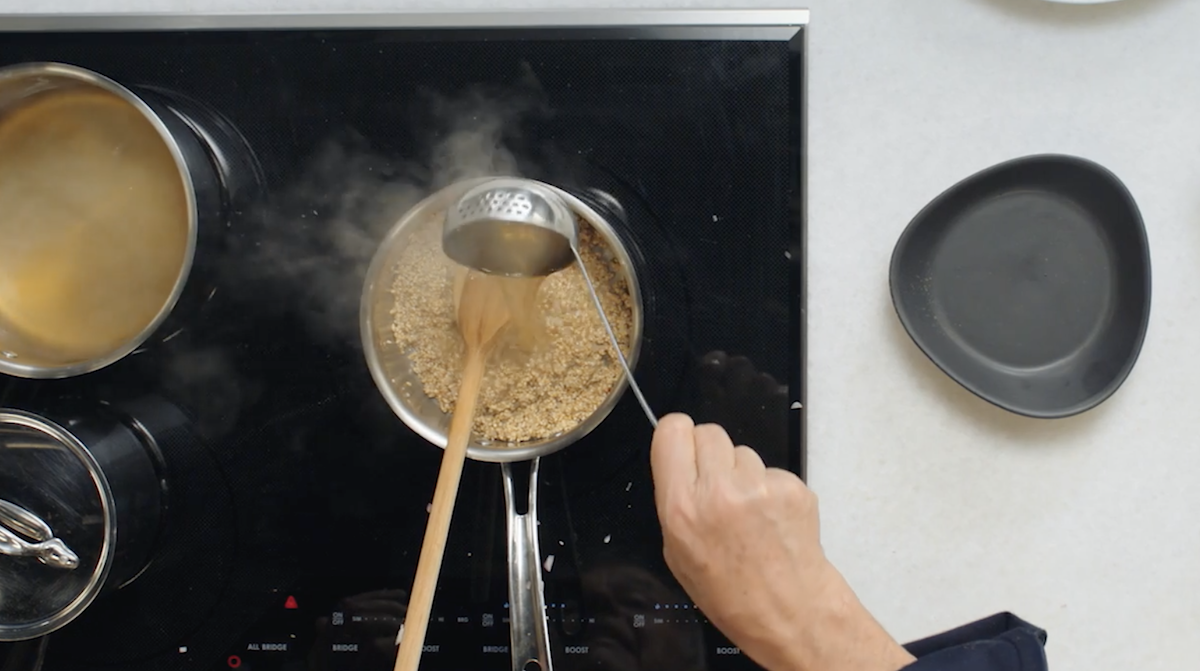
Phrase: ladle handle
(612, 339)
(429, 564)
(530, 643)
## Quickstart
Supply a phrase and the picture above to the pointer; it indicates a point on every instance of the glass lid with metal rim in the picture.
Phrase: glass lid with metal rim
(56, 527)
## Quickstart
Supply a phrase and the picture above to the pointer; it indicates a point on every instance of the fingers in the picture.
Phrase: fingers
(673, 455)
(748, 465)
(714, 451)
(778, 477)
(682, 454)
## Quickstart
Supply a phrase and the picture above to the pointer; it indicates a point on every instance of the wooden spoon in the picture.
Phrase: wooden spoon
(483, 314)
(520, 293)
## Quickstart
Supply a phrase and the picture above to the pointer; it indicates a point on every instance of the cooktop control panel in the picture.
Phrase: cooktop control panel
(307, 631)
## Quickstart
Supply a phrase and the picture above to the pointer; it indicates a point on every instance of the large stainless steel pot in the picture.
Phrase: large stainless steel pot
(24, 84)
(391, 370)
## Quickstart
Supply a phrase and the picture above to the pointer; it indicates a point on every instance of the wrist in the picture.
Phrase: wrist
(843, 636)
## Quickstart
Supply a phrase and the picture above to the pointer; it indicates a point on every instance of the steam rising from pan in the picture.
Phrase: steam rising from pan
(322, 231)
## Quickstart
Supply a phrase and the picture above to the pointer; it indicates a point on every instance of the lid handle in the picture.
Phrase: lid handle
(16, 522)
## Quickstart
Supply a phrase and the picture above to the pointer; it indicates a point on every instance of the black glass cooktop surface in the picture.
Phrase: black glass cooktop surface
(297, 503)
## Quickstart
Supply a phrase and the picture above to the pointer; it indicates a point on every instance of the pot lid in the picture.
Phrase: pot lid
(56, 522)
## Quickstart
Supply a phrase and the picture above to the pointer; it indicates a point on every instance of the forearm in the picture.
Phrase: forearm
(833, 633)
(848, 638)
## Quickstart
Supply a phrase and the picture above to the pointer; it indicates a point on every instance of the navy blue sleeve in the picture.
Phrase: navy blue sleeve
(1002, 642)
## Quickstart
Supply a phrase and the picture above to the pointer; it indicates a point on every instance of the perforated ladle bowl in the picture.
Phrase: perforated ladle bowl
(524, 228)
(512, 227)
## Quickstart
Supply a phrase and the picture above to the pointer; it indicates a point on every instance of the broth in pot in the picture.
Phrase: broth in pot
(95, 218)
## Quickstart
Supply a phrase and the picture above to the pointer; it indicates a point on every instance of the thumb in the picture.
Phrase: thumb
(673, 455)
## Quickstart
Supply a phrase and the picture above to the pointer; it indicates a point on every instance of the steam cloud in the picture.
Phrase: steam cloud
(321, 234)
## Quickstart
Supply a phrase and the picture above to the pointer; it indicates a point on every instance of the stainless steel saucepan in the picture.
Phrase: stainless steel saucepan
(109, 200)
(392, 372)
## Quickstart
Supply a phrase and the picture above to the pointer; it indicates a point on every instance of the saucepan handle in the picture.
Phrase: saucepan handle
(530, 643)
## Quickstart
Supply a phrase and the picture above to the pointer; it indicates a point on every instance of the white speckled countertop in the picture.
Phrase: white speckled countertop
(939, 507)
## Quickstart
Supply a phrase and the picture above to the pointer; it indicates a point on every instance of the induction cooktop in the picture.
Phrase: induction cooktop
(298, 502)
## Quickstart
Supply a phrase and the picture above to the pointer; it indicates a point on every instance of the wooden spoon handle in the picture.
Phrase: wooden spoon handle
(429, 565)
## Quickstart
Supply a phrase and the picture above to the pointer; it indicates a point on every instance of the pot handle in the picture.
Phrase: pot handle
(17, 524)
(530, 644)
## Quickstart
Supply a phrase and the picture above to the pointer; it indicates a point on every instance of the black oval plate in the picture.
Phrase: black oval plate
(1029, 284)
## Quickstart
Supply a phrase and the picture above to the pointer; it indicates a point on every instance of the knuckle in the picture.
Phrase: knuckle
(712, 433)
(732, 498)
(748, 455)
(675, 421)
(787, 484)
(725, 494)
(780, 478)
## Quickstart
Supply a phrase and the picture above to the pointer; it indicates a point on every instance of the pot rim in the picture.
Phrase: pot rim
(10, 364)
(379, 271)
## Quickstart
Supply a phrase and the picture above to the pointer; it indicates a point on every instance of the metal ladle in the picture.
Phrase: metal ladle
(522, 228)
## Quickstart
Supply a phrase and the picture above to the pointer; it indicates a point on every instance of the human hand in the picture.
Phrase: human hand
(744, 541)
